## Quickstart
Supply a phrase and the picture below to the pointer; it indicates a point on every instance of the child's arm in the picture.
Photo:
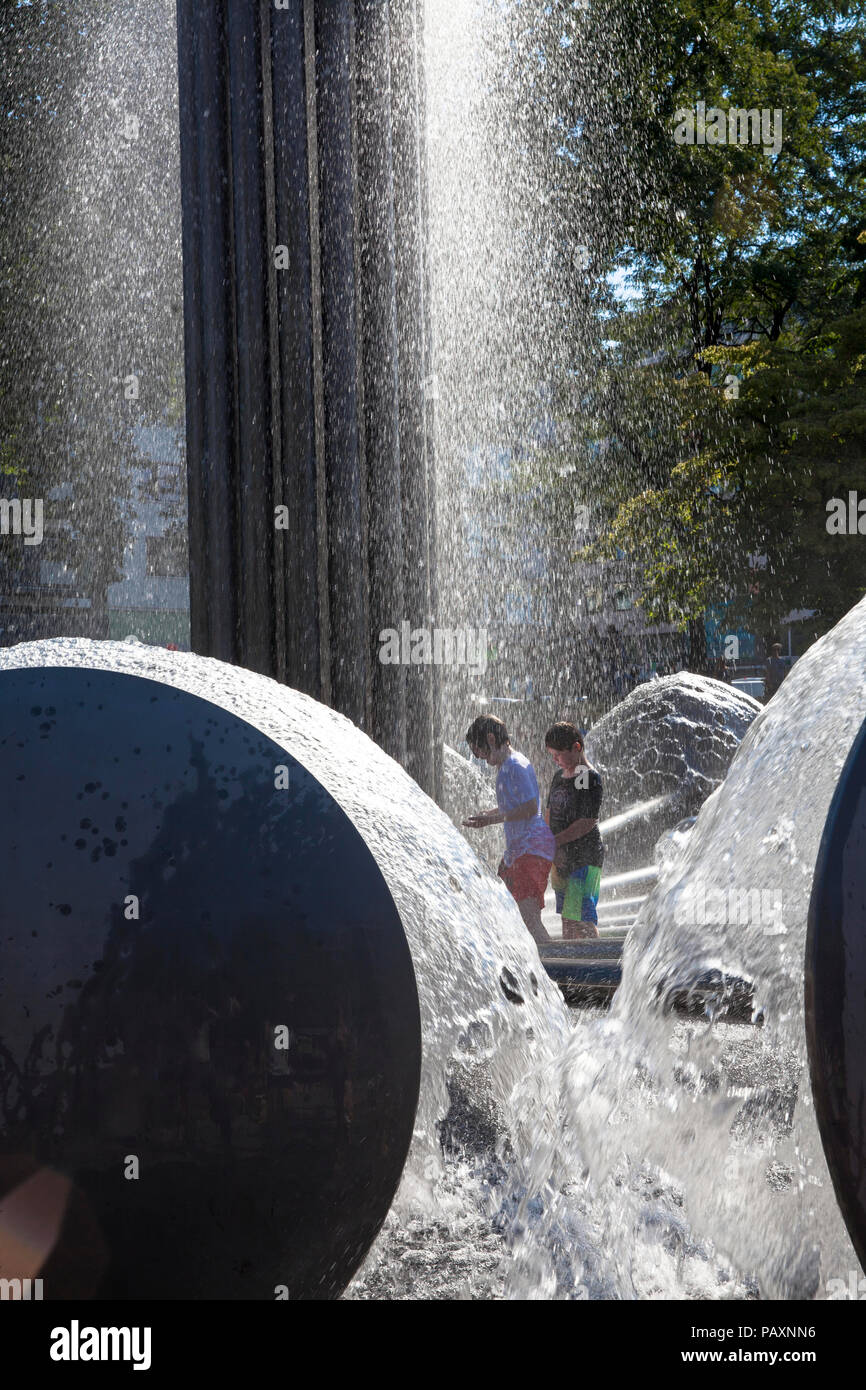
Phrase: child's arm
(482, 818)
(525, 811)
(584, 824)
(576, 830)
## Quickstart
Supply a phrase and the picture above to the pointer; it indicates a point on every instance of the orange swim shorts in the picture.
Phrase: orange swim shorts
(526, 877)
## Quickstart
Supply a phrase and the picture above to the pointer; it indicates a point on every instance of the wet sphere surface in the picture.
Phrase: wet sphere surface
(209, 1027)
(836, 992)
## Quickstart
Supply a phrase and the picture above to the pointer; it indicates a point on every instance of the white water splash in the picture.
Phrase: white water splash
(632, 813)
(692, 1151)
(462, 925)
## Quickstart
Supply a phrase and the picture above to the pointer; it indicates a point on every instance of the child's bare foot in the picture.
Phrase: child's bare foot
(579, 931)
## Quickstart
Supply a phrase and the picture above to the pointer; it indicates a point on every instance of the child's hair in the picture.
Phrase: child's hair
(476, 734)
(563, 736)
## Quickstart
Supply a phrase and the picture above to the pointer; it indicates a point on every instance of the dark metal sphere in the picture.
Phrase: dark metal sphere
(836, 992)
(209, 1024)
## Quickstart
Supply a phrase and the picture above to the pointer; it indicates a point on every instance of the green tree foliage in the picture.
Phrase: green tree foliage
(736, 395)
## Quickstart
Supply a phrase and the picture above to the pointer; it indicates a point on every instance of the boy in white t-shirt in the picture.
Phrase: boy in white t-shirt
(529, 842)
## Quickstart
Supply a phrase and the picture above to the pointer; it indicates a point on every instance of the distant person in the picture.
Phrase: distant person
(572, 813)
(775, 672)
(721, 670)
(529, 846)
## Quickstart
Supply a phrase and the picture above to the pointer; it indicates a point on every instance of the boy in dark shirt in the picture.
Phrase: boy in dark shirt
(775, 672)
(572, 814)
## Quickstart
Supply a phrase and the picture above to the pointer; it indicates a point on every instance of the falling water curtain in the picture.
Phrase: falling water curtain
(306, 296)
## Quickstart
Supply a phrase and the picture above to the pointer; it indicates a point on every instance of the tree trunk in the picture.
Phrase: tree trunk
(697, 639)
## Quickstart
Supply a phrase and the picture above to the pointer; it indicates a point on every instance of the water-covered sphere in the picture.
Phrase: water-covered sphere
(484, 1005)
(669, 743)
(210, 1021)
(701, 1143)
(836, 991)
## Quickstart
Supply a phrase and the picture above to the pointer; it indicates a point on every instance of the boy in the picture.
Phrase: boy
(572, 814)
(775, 672)
(529, 846)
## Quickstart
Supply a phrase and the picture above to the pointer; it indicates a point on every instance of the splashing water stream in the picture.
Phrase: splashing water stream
(690, 1151)
(635, 812)
(614, 1155)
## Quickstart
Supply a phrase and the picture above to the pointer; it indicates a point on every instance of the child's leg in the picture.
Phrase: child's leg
(592, 887)
(578, 931)
(579, 917)
(527, 882)
(559, 883)
(531, 914)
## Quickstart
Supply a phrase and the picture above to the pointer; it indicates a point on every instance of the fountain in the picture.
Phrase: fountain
(693, 1149)
(209, 1033)
(835, 990)
(309, 445)
(176, 881)
(464, 789)
(661, 752)
(519, 1150)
